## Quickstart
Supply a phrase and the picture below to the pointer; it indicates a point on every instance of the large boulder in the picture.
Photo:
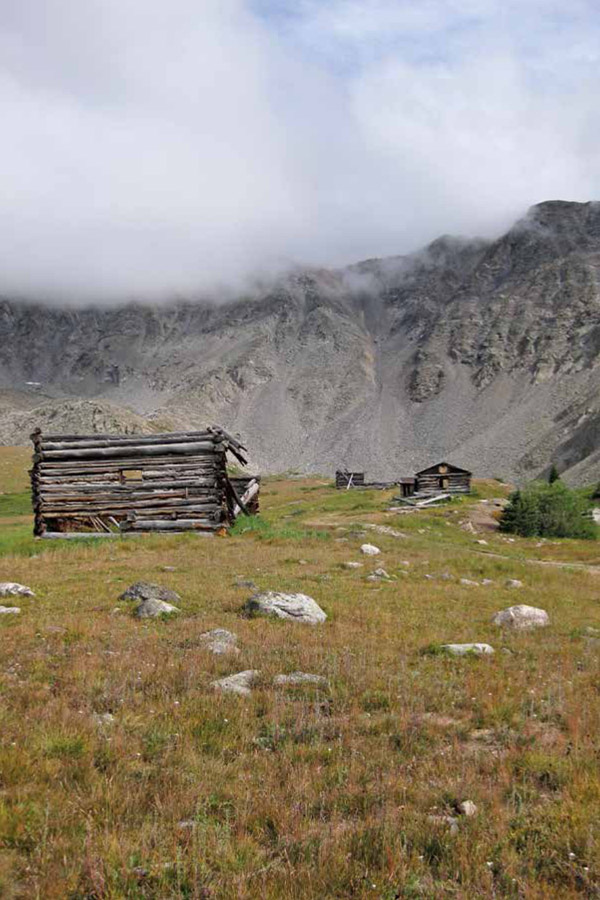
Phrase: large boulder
(521, 617)
(294, 607)
(145, 590)
(12, 589)
(240, 684)
(219, 641)
(370, 550)
(152, 608)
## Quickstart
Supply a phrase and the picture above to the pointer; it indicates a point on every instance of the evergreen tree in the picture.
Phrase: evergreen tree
(553, 475)
(547, 510)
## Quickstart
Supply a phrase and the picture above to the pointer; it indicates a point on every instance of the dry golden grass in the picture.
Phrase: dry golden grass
(300, 793)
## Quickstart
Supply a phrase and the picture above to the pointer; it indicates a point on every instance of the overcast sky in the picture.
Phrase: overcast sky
(155, 148)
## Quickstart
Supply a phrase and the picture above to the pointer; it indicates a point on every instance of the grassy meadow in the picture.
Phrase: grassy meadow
(304, 793)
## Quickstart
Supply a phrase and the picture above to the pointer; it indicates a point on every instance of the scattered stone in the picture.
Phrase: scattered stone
(589, 629)
(302, 562)
(299, 678)
(469, 582)
(145, 590)
(385, 529)
(294, 607)
(487, 581)
(103, 720)
(370, 550)
(404, 562)
(168, 568)
(449, 822)
(482, 541)
(154, 608)
(379, 575)
(12, 589)
(467, 808)
(219, 641)
(467, 649)
(9, 610)
(187, 824)
(514, 583)
(353, 565)
(241, 683)
(468, 526)
(521, 617)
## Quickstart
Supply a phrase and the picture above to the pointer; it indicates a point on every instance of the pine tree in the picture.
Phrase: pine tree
(553, 475)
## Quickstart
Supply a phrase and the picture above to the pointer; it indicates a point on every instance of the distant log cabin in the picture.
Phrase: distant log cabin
(443, 478)
(108, 484)
(345, 480)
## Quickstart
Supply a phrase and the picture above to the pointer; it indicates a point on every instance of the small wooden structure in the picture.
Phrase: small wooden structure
(407, 486)
(444, 478)
(345, 480)
(108, 484)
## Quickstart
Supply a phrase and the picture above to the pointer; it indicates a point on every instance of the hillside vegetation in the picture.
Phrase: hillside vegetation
(123, 774)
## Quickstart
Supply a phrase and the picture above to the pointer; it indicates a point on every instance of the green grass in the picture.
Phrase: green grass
(15, 505)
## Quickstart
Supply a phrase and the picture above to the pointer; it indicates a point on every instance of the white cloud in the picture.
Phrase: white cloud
(153, 148)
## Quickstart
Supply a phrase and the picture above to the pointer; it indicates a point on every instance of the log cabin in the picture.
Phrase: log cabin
(443, 478)
(103, 484)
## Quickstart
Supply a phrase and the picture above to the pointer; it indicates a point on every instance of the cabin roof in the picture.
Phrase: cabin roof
(452, 470)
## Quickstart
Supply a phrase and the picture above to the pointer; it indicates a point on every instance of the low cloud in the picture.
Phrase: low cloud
(156, 150)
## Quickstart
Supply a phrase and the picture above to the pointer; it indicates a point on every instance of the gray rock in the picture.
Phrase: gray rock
(219, 641)
(449, 822)
(370, 550)
(153, 609)
(466, 649)
(145, 590)
(9, 610)
(385, 529)
(103, 720)
(514, 583)
(487, 582)
(468, 582)
(12, 589)
(241, 683)
(353, 565)
(299, 678)
(467, 808)
(294, 607)
(168, 568)
(521, 617)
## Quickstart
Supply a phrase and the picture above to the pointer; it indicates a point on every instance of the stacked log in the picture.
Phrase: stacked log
(248, 488)
(111, 483)
(345, 480)
(451, 483)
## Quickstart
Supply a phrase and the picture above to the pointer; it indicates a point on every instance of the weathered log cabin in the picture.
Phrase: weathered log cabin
(443, 478)
(109, 484)
(345, 480)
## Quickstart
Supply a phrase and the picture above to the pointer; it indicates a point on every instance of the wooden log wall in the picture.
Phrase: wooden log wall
(454, 483)
(343, 479)
(112, 483)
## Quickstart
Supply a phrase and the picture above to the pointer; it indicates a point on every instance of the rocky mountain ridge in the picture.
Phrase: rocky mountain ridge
(482, 352)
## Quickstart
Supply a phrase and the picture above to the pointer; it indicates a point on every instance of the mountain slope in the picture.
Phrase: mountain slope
(481, 351)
